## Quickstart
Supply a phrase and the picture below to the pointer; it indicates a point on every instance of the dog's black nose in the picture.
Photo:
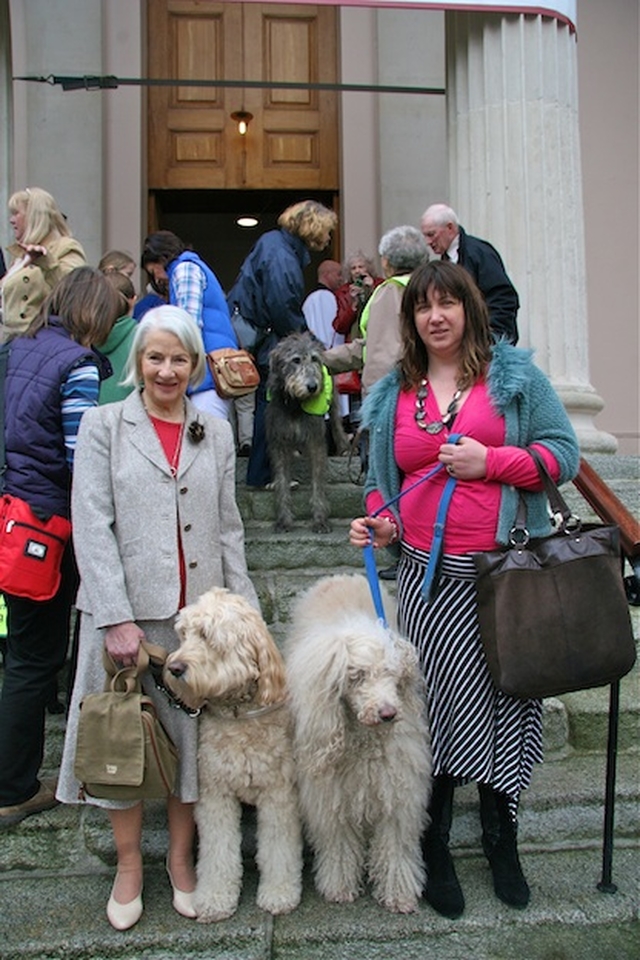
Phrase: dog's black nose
(177, 669)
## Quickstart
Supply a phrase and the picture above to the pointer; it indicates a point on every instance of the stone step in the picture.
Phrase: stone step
(55, 909)
(562, 808)
(622, 474)
(345, 501)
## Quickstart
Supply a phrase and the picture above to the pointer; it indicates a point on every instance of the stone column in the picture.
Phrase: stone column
(515, 180)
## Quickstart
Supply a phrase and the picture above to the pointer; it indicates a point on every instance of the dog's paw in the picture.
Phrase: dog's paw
(283, 526)
(213, 911)
(340, 896)
(278, 902)
(321, 526)
(407, 904)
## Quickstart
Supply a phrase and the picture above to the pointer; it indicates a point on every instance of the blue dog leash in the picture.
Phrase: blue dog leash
(432, 574)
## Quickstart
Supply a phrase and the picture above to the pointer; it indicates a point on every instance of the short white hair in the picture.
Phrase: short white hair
(173, 320)
(440, 213)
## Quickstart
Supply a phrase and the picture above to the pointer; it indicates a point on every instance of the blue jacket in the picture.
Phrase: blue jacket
(532, 410)
(270, 290)
(37, 467)
(215, 323)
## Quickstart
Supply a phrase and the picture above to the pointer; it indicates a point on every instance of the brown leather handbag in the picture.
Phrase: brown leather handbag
(234, 372)
(553, 611)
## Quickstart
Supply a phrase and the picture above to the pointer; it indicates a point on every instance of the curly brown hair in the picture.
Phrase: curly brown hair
(443, 278)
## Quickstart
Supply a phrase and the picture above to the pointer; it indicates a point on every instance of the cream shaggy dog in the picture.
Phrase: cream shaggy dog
(228, 664)
(361, 744)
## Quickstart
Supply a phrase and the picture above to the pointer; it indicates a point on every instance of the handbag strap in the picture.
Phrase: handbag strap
(4, 357)
(147, 652)
(431, 578)
(561, 512)
(564, 520)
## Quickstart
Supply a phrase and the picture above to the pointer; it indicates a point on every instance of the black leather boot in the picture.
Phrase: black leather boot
(499, 842)
(443, 890)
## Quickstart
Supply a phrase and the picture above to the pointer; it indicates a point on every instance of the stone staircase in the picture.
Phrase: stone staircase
(56, 869)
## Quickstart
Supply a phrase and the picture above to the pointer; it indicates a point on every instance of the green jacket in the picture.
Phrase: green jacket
(116, 348)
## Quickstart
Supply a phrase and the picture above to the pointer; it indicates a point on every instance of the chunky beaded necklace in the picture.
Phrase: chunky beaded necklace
(434, 426)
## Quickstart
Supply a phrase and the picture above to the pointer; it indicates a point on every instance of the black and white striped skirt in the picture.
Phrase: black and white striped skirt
(477, 732)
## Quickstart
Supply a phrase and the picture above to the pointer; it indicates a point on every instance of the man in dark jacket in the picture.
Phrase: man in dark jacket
(269, 292)
(447, 238)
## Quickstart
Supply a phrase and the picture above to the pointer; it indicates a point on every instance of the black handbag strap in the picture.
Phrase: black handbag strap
(556, 500)
(563, 518)
(4, 357)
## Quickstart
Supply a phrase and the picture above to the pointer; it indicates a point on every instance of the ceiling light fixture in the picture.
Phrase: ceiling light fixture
(247, 221)
(242, 118)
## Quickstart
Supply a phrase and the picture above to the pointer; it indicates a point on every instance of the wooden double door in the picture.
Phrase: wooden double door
(292, 138)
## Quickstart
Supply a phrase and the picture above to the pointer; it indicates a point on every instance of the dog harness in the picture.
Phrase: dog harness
(320, 404)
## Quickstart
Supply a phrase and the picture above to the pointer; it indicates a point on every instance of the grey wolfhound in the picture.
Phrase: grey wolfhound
(295, 421)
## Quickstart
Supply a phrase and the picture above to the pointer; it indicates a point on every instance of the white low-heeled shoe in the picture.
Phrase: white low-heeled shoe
(182, 901)
(123, 916)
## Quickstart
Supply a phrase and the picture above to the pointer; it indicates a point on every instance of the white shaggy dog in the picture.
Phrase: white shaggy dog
(228, 663)
(361, 743)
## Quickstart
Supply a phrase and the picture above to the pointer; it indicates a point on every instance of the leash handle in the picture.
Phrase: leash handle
(434, 566)
(432, 574)
(374, 582)
(453, 438)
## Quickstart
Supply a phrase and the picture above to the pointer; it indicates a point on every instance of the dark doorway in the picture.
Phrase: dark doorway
(206, 221)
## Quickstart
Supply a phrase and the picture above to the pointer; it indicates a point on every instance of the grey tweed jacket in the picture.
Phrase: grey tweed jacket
(127, 510)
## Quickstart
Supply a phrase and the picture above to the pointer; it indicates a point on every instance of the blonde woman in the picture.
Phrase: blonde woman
(43, 253)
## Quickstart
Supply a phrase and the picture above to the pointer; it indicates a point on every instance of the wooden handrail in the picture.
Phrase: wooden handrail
(604, 502)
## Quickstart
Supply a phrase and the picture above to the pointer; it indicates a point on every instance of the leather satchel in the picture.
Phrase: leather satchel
(122, 751)
(31, 550)
(234, 372)
(553, 612)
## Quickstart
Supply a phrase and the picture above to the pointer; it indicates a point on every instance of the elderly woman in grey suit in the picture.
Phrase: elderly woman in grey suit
(155, 525)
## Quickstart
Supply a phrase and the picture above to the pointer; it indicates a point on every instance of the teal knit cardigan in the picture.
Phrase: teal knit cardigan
(532, 410)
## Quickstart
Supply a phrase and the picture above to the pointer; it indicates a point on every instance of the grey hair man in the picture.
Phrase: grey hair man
(449, 240)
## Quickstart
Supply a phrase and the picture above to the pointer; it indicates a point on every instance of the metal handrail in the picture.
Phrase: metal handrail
(609, 508)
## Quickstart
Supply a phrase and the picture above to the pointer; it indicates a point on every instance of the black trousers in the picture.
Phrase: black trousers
(259, 467)
(37, 639)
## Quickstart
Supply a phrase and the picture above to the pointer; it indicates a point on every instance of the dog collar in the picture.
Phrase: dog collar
(155, 670)
(237, 713)
(319, 405)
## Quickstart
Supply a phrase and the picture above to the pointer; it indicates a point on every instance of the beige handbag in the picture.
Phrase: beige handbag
(123, 752)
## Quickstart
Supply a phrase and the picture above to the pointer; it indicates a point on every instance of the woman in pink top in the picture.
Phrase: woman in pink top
(452, 378)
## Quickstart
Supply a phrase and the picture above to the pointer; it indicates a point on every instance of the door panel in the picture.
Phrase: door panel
(194, 143)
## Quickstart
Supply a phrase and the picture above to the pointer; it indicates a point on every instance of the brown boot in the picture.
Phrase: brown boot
(44, 799)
